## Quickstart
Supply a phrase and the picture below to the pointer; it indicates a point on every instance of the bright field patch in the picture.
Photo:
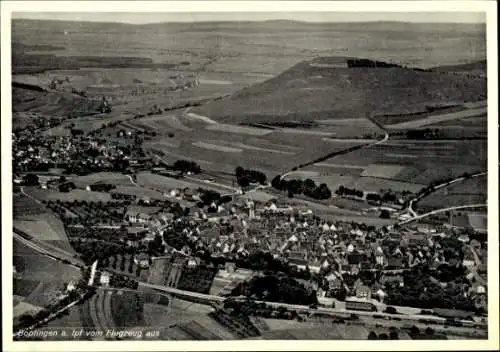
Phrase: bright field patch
(202, 118)
(371, 184)
(478, 221)
(252, 147)
(438, 118)
(221, 127)
(219, 148)
(76, 194)
(25, 308)
(382, 171)
(161, 183)
(306, 132)
(104, 177)
(39, 229)
(258, 196)
(161, 123)
(302, 174)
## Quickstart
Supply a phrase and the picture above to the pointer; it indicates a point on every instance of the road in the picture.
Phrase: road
(434, 212)
(59, 255)
(379, 142)
(299, 308)
(132, 180)
(442, 185)
(30, 196)
(49, 318)
(211, 299)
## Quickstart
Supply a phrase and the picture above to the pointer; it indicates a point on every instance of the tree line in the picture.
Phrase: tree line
(298, 186)
(246, 176)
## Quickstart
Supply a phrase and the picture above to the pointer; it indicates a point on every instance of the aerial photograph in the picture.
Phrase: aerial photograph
(249, 176)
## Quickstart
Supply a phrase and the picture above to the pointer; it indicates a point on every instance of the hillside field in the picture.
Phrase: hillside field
(41, 279)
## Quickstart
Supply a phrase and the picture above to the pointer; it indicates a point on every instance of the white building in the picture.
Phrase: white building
(105, 278)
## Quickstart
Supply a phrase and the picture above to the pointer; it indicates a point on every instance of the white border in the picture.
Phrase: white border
(251, 6)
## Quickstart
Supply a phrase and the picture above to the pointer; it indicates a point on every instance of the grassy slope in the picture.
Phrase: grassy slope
(305, 92)
(52, 104)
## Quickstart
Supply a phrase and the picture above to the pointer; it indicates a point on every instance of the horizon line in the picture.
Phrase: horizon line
(245, 21)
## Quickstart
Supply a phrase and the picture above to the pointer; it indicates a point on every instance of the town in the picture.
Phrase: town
(233, 185)
(197, 240)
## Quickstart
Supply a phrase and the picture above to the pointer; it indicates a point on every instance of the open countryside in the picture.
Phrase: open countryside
(245, 180)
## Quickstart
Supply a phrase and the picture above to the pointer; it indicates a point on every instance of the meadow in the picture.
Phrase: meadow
(471, 191)
(73, 195)
(103, 177)
(266, 73)
(436, 119)
(137, 65)
(47, 277)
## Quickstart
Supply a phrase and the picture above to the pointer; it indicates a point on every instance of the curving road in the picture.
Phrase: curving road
(442, 185)
(132, 181)
(381, 141)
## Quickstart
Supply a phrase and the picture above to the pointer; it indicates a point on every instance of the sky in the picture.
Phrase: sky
(144, 17)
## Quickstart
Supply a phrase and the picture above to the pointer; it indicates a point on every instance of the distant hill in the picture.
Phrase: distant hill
(326, 87)
(473, 67)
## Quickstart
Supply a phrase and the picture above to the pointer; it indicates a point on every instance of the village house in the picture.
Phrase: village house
(334, 281)
(417, 240)
(363, 291)
(104, 278)
(142, 260)
(392, 280)
(468, 261)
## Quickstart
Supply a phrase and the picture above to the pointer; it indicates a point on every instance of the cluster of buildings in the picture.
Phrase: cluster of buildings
(330, 251)
(41, 153)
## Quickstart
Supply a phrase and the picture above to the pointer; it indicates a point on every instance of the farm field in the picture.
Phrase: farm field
(127, 309)
(51, 104)
(157, 272)
(40, 268)
(24, 287)
(355, 127)
(258, 196)
(365, 183)
(68, 322)
(39, 222)
(272, 153)
(75, 194)
(373, 184)
(469, 127)
(24, 206)
(471, 191)
(421, 161)
(163, 184)
(478, 221)
(25, 308)
(102, 177)
(139, 192)
(39, 229)
(42, 279)
(431, 120)
(184, 320)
